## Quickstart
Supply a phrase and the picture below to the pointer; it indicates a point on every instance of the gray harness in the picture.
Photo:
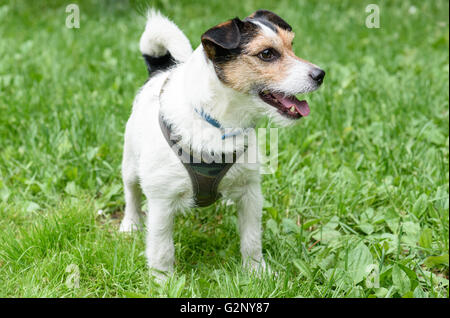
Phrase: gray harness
(205, 175)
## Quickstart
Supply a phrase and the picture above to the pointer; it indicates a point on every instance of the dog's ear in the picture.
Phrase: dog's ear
(221, 39)
(271, 17)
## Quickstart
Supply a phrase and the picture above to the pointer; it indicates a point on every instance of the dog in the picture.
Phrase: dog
(243, 70)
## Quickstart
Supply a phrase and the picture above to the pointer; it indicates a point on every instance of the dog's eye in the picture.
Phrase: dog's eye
(268, 55)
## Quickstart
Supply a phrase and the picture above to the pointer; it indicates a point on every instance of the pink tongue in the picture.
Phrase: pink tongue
(301, 106)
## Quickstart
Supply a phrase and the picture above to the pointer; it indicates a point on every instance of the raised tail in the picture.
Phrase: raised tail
(163, 44)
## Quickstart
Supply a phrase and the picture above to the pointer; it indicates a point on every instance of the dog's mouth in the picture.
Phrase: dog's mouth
(288, 106)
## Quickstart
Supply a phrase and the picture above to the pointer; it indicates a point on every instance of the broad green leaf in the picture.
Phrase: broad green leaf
(326, 235)
(308, 224)
(411, 274)
(359, 258)
(436, 279)
(366, 228)
(367, 215)
(433, 261)
(134, 295)
(272, 226)
(332, 223)
(412, 233)
(408, 295)
(32, 206)
(400, 280)
(420, 205)
(4, 194)
(303, 268)
(419, 293)
(112, 190)
(64, 145)
(426, 238)
(392, 220)
(434, 136)
(392, 242)
(328, 262)
(267, 204)
(381, 292)
(356, 292)
(91, 152)
(71, 188)
(386, 275)
(338, 277)
(290, 226)
(273, 212)
(411, 228)
(71, 173)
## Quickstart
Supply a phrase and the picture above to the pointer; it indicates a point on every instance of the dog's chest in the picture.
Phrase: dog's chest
(204, 170)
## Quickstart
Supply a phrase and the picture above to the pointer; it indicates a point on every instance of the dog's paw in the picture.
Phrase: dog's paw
(259, 268)
(160, 277)
(129, 225)
(255, 266)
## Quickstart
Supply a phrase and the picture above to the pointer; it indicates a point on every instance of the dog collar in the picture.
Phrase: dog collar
(214, 122)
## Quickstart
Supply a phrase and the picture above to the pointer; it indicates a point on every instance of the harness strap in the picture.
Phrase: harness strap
(205, 176)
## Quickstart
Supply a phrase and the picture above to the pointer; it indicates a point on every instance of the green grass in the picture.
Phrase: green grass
(363, 180)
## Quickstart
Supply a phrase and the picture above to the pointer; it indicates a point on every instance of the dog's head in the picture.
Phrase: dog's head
(255, 57)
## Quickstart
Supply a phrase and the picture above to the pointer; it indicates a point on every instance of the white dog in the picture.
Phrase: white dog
(242, 71)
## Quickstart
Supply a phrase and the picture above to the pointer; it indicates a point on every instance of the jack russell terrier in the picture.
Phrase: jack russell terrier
(242, 71)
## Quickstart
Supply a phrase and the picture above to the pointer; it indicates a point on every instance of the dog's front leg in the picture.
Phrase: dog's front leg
(160, 249)
(250, 211)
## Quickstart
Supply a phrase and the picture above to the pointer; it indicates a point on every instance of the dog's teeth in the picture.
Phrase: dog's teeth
(292, 109)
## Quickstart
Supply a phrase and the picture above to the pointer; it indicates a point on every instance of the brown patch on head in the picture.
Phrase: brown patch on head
(224, 42)
(280, 41)
(248, 72)
(234, 48)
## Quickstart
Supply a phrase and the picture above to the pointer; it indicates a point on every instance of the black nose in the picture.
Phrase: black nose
(317, 75)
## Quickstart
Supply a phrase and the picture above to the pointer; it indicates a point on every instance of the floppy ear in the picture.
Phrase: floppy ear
(219, 40)
(271, 17)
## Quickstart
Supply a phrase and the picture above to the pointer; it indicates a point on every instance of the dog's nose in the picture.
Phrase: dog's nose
(317, 75)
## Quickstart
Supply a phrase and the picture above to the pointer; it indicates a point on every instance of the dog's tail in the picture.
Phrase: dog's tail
(163, 44)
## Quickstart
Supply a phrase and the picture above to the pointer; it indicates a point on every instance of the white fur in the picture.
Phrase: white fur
(267, 31)
(297, 80)
(149, 164)
(162, 35)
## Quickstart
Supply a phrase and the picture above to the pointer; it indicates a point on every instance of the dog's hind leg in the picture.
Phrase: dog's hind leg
(132, 217)
(160, 250)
